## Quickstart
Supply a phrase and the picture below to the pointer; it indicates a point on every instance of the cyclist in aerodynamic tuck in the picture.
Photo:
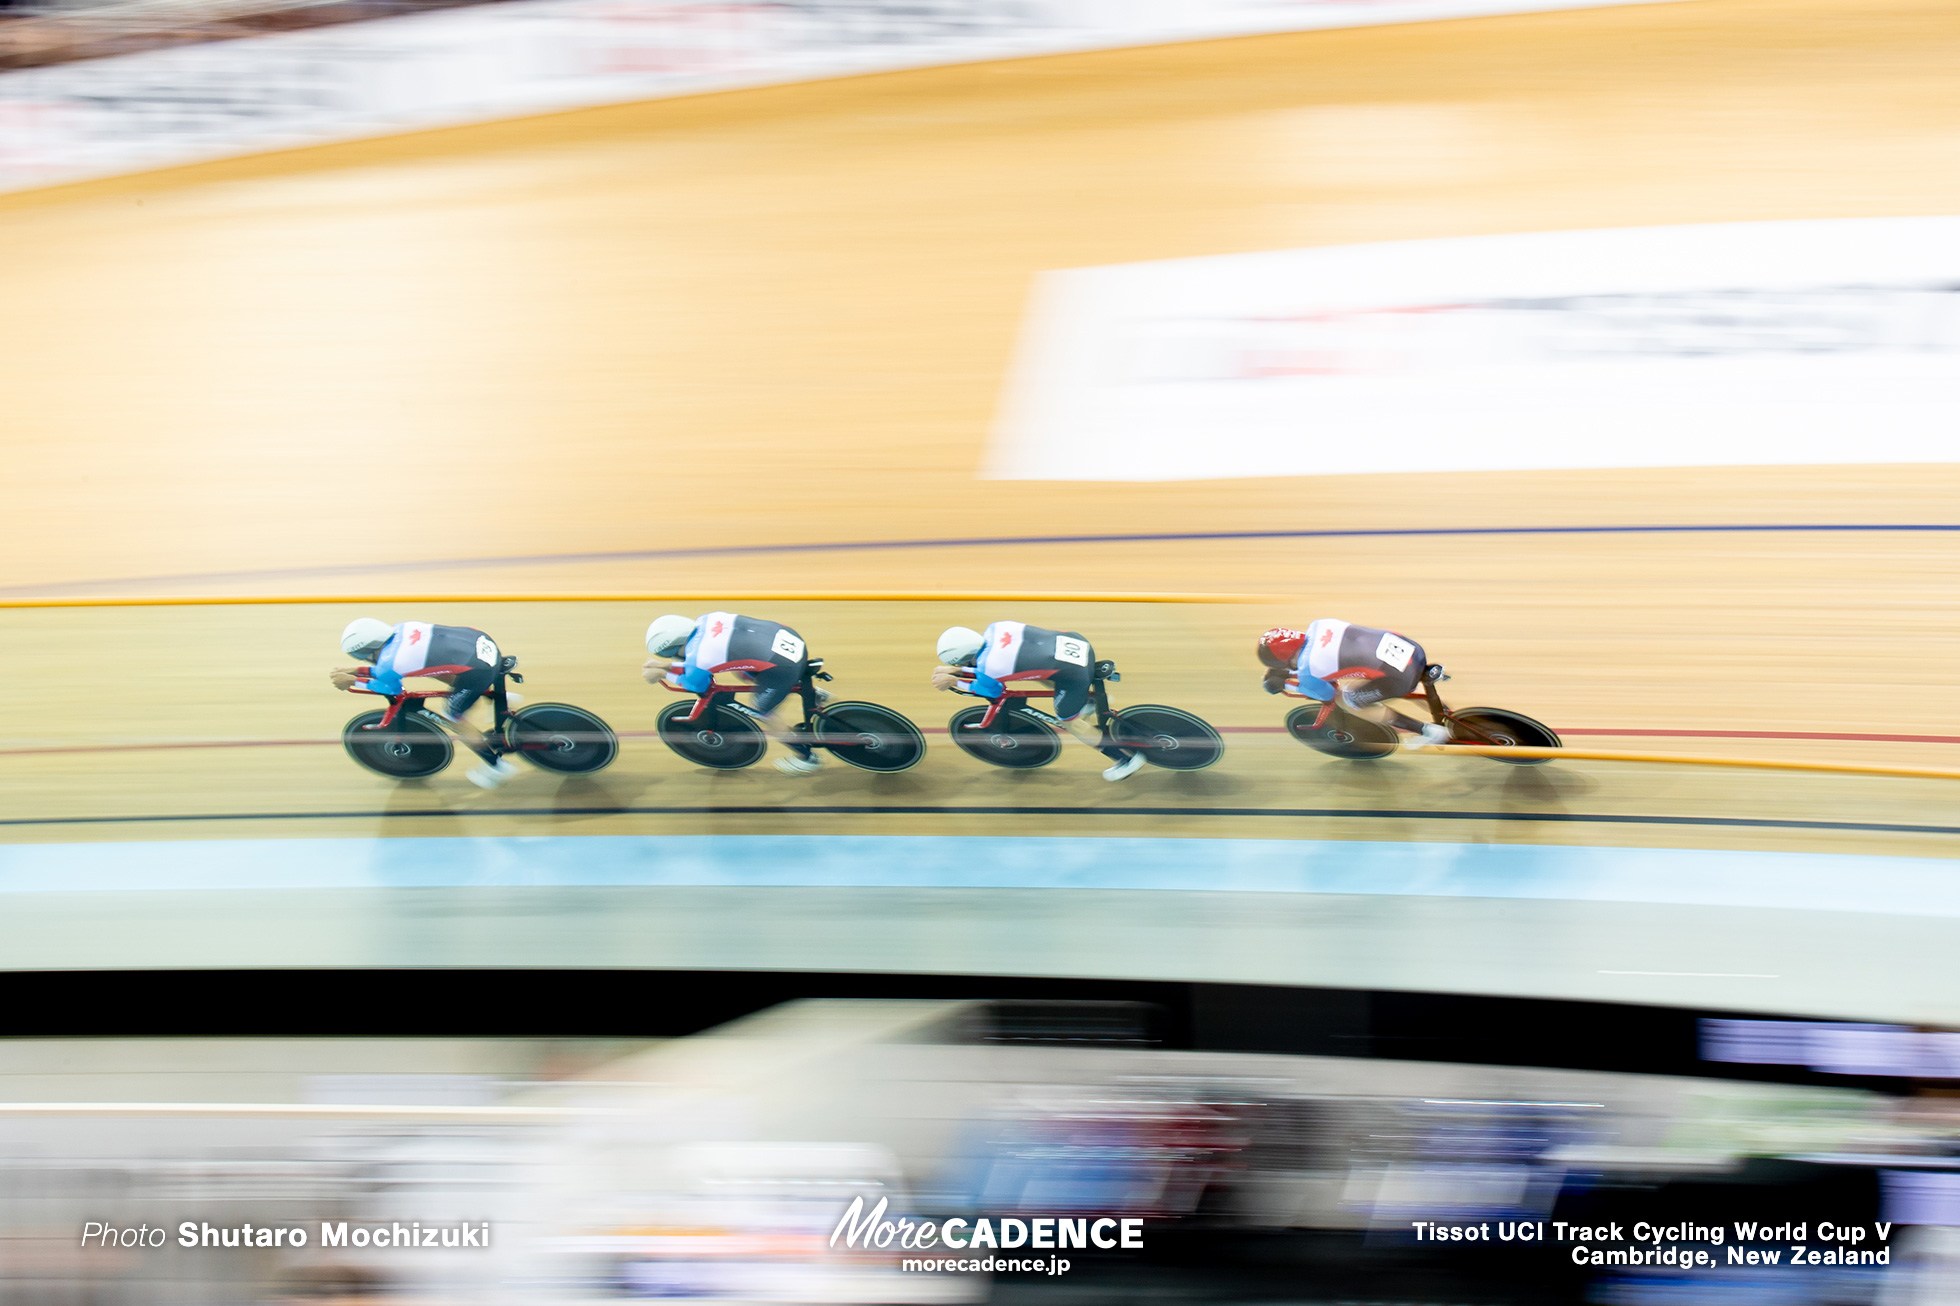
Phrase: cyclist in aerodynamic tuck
(1360, 667)
(1007, 647)
(408, 649)
(683, 649)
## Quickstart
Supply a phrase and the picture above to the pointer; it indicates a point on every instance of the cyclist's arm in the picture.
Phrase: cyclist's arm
(693, 679)
(1314, 687)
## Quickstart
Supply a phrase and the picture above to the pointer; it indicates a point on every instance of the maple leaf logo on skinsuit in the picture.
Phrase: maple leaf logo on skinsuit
(415, 637)
(1326, 638)
(1006, 638)
(716, 629)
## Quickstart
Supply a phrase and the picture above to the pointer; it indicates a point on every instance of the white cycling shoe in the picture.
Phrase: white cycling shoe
(1431, 734)
(794, 765)
(492, 775)
(1125, 769)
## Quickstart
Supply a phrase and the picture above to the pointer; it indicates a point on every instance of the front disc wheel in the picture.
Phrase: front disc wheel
(410, 748)
(1017, 742)
(721, 739)
(1343, 734)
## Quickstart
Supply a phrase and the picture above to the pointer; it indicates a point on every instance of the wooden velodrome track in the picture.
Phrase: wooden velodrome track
(609, 350)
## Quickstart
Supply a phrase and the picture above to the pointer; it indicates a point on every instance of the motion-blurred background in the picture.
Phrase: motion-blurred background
(1611, 350)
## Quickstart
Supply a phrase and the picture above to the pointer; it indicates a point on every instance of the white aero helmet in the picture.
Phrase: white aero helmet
(668, 635)
(364, 637)
(959, 645)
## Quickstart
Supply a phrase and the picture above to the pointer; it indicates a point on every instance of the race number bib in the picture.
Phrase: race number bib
(1395, 651)
(1075, 652)
(486, 652)
(787, 646)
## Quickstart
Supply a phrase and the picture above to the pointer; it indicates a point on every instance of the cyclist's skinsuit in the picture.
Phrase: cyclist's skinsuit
(727, 637)
(1333, 645)
(1062, 656)
(417, 645)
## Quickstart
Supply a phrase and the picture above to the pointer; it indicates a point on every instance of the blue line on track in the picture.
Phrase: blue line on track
(1835, 882)
(950, 542)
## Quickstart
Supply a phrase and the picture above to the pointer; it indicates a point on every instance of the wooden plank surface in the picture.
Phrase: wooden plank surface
(529, 356)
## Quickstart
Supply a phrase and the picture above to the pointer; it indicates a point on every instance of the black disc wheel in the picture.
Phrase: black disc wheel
(724, 740)
(1015, 741)
(1343, 735)
(1167, 736)
(1494, 725)
(560, 737)
(868, 736)
(411, 747)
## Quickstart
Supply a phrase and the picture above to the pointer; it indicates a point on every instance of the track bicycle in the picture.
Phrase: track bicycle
(716, 730)
(1331, 729)
(409, 742)
(1013, 733)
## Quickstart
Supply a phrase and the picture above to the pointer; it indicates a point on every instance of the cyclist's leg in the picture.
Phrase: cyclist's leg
(1072, 706)
(467, 689)
(1370, 699)
(771, 688)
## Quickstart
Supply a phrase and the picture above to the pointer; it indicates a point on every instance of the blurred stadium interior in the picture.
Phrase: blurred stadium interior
(574, 314)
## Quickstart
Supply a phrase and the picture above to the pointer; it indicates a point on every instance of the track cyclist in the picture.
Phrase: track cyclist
(410, 648)
(1360, 667)
(684, 650)
(1009, 647)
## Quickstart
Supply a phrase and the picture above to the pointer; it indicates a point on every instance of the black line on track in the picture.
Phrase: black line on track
(844, 809)
(871, 546)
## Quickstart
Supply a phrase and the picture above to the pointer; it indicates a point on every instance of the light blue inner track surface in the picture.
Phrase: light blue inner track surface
(1824, 934)
(1805, 881)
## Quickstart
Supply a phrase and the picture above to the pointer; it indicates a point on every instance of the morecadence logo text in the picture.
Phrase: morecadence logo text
(860, 1229)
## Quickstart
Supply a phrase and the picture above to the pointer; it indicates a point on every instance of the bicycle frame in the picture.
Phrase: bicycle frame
(806, 691)
(1432, 674)
(1098, 697)
(497, 694)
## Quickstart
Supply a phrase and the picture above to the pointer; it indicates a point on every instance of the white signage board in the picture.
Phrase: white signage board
(1831, 341)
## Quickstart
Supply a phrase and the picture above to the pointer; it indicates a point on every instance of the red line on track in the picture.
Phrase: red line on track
(940, 730)
(1763, 734)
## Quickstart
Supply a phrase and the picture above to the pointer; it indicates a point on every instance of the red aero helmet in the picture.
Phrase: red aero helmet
(1280, 647)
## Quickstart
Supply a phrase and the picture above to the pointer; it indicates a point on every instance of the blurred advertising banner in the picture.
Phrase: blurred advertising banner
(1733, 344)
(162, 107)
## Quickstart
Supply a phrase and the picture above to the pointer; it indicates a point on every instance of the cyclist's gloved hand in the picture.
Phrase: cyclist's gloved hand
(944, 677)
(342, 679)
(653, 671)
(1276, 680)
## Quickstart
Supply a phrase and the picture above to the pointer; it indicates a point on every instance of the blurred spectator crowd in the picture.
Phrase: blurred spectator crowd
(35, 33)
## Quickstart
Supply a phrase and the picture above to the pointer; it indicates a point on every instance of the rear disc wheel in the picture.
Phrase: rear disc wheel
(1168, 737)
(560, 737)
(1015, 741)
(721, 739)
(870, 737)
(411, 748)
(1494, 725)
